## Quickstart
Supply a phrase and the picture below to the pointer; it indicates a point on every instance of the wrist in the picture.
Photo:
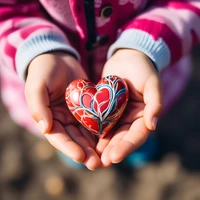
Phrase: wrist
(56, 65)
(50, 59)
(48, 66)
(130, 53)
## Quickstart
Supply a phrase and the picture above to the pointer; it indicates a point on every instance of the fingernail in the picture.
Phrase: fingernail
(154, 122)
(41, 126)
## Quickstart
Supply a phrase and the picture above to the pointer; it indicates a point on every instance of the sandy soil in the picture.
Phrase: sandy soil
(30, 169)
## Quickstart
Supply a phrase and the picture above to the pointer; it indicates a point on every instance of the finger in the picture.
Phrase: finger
(64, 143)
(132, 139)
(79, 135)
(38, 102)
(88, 136)
(92, 160)
(105, 157)
(133, 111)
(153, 101)
(103, 142)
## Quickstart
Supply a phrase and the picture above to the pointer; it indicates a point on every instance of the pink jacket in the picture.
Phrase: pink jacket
(165, 30)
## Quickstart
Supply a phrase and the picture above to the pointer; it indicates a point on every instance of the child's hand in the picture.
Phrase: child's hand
(48, 76)
(143, 108)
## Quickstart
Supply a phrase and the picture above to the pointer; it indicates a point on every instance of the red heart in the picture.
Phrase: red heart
(99, 107)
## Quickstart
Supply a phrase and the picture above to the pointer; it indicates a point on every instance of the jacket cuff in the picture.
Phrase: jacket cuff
(38, 44)
(156, 50)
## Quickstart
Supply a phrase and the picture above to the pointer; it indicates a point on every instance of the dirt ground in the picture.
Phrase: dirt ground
(30, 169)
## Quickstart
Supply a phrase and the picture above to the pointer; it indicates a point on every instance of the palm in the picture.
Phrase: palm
(66, 131)
(54, 71)
(133, 128)
(129, 133)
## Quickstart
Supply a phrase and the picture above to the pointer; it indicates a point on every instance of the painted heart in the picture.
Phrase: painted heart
(97, 107)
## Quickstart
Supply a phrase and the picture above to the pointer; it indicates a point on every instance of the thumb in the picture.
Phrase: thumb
(153, 101)
(38, 102)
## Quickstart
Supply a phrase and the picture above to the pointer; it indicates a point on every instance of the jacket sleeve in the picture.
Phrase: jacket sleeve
(165, 32)
(25, 33)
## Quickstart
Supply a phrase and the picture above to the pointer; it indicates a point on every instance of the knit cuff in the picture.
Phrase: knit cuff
(156, 50)
(38, 44)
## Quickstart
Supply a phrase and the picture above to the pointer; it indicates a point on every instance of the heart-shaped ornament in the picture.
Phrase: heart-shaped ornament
(97, 107)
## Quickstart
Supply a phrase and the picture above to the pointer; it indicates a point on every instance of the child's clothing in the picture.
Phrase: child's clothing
(92, 30)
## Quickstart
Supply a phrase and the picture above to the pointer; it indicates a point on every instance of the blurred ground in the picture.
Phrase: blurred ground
(30, 170)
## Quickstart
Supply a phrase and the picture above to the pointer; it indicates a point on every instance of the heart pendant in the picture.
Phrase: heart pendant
(97, 107)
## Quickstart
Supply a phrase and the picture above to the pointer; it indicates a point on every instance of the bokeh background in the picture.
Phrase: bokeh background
(30, 169)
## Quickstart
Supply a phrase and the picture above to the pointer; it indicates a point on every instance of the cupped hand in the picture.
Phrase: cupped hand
(47, 78)
(143, 108)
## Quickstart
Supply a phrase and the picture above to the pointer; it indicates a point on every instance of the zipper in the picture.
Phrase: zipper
(90, 22)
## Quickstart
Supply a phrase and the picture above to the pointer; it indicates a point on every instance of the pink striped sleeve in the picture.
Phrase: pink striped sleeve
(25, 33)
(14, 21)
(177, 23)
(165, 32)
